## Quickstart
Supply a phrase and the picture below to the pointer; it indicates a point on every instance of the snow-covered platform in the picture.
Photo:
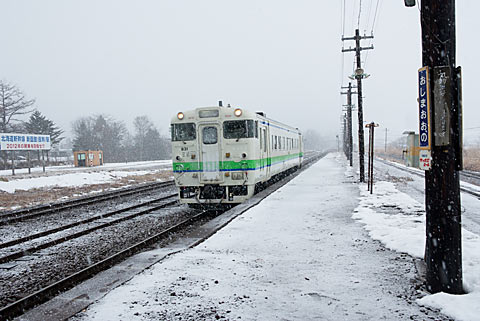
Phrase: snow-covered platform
(298, 255)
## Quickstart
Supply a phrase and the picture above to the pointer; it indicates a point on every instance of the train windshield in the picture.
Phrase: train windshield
(238, 129)
(183, 132)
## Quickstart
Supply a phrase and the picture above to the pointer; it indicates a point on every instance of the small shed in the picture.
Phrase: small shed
(412, 151)
(88, 158)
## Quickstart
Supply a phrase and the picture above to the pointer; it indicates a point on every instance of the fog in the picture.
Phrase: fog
(131, 58)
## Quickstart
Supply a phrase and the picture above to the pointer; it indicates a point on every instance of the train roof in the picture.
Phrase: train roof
(225, 113)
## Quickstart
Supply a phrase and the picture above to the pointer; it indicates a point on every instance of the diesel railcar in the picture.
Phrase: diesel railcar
(221, 153)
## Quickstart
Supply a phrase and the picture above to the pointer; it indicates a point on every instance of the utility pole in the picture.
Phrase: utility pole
(349, 107)
(345, 142)
(443, 250)
(359, 75)
(386, 129)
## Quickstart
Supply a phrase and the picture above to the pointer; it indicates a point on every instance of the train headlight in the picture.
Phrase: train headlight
(237, 175)
(180, 115)
(237, 112)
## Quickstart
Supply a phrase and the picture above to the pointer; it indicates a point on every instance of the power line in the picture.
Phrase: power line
(373, 28)
(369, 11)
(375, 15)
(359, 13)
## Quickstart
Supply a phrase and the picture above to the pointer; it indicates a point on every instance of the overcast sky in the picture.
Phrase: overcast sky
(158, 57)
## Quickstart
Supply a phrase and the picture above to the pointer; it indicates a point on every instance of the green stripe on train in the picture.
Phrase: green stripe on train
(232, 165)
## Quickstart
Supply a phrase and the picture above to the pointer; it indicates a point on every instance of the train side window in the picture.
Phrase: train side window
(234, 129)
(256, 129)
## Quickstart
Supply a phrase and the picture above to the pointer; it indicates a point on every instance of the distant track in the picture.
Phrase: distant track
(33, 212)
(470, 174)
(421, 174)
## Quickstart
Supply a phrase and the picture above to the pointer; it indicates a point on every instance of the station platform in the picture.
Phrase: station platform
(297, 255)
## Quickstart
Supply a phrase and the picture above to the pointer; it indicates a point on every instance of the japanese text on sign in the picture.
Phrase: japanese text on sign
(424, 108)
(425, 160)
(12, 141)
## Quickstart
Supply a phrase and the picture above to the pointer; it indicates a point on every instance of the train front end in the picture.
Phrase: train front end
(212, 151)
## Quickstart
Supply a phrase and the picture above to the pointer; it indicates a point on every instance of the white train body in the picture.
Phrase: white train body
(220, 154)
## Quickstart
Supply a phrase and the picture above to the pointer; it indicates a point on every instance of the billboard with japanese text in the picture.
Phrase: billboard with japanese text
(13, 141)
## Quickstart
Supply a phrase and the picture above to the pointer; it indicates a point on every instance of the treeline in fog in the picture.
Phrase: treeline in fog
(103, 132)
(20, 114)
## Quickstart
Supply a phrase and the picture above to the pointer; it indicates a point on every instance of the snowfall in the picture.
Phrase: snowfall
(319, 248)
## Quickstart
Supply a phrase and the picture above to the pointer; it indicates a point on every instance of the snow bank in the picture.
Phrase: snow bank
(398, 221)
(106, 166)
(66, 180)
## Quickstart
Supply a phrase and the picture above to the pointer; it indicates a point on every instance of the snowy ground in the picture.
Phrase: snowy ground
(62, 182)
(70, 168)
(299, 255)
(401, 227)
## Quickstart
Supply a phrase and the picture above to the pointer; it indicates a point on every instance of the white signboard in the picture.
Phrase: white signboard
(12, 141)
(425, 159)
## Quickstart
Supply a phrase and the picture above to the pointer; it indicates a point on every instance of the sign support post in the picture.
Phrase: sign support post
(443, 249)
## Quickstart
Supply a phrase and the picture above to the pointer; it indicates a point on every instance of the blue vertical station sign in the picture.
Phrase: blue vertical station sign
(424, 108)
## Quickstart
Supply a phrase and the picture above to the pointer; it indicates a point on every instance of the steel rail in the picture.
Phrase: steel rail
(23, 214)
(24, 252)
(463, 189)
(17, 308)
(470, 174)
(85, 221)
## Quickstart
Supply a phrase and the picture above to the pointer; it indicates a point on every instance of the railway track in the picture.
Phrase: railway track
(46, 209)
(470, 174)
(114, 217)
(47, 292)
(420, 173)
(18, 307)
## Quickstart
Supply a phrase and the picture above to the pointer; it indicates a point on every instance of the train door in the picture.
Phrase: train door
(263, 152)
(210, 153)
(268, 149)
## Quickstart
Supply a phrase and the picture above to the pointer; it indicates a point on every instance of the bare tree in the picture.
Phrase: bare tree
(148, 143)
(142, 126)
(13, 103)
